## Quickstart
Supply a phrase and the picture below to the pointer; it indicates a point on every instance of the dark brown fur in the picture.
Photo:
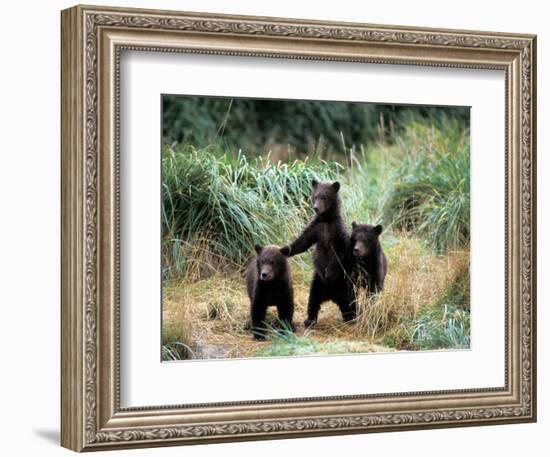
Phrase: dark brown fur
(369, 261)
(268, 283)
(332, 255)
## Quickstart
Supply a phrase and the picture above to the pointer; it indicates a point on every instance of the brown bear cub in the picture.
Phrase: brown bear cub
(370, 264)
(268, 283)
(332, 255)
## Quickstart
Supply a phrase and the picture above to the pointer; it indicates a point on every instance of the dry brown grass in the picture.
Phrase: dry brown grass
(197, 259)
(416, 278)
(212, 314)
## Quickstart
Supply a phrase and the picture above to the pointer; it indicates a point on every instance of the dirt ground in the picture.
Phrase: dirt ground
(211, 316)
(219, 317)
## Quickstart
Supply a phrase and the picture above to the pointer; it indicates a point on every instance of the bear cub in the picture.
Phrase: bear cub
(331, 256)
(268, 283)
(370, 264)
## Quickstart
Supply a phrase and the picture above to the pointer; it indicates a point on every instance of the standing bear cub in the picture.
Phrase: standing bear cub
(332, 255)
(268, 283)
(370, 264)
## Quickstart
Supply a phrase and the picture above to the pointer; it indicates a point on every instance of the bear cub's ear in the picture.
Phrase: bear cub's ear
(285, 250)
(258, 248)
(314, 183)
(378, 229)
(336, 186)
(353, 224)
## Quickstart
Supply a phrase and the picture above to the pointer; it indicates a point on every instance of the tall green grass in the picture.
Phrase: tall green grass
(440, 327)
(430, 185)
(216, 205)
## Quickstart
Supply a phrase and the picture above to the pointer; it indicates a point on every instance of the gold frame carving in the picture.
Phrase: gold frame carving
(92, 40)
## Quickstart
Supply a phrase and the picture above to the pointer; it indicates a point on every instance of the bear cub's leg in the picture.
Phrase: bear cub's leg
(285, 311)
(317, 295)
(345, 300)
(258, 313)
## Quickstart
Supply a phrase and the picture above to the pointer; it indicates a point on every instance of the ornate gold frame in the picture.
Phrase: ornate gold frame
(92, 40)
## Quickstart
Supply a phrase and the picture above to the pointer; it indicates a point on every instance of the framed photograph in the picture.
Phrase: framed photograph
(276, 228)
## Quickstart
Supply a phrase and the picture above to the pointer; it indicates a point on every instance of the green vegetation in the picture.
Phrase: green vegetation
(443, 323)
(215, 206)
(177, 343)
(222, 194)
(302, 126)
(441, 327)
(299, 345)
(430, 194)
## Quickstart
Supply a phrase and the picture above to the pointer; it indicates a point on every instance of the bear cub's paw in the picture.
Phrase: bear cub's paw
(258, 336)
